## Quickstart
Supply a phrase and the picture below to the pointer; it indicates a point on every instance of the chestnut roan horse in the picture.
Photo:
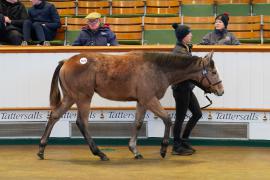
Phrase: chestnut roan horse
(135, 76)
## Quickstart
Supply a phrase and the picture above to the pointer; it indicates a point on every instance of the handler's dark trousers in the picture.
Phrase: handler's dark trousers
(37, 31)
(184, 100)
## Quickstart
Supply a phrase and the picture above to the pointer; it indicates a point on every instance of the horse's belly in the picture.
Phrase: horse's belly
(116, 97)
(117, 94)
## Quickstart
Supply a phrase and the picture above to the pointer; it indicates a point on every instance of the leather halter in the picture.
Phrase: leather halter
(204, 76)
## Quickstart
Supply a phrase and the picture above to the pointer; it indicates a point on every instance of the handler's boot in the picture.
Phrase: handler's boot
(187, 145)
(181, 150)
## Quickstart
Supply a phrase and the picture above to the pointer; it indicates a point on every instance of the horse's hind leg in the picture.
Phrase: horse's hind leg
(140, 113)
(54, 117)
(155, 106)
(82, 123)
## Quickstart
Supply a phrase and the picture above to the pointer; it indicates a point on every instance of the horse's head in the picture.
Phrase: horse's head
(210, 79)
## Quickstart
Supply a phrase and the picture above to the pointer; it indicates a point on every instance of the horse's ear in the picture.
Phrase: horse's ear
(209, 56)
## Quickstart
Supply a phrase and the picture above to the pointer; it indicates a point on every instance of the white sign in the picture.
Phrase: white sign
(129, 115)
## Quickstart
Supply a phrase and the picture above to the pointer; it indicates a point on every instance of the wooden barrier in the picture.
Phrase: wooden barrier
(126, 48)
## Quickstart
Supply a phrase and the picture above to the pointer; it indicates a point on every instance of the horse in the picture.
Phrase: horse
(134, 76)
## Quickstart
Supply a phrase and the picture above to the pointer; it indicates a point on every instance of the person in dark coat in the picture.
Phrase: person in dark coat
(184, 97)
(220, 36)
(43, 22)
(95, 33)
(12, 15)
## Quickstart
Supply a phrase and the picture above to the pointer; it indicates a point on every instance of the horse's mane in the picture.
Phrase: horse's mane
(169, 61)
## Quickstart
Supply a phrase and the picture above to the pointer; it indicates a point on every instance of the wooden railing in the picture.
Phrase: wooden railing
(196, 48)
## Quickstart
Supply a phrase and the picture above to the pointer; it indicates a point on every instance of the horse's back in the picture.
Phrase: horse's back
(123, 77)
(103, 70)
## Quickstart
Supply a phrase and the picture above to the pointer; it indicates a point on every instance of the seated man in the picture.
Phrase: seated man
(95, 33)
(12, 16)
(42, 24)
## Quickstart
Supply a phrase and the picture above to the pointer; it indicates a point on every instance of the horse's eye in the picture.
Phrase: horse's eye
(214, 72)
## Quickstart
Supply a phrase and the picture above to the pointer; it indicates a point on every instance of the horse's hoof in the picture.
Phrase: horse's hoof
(40, 155)
(138, 156)
(104, 158)
(163, 154)
(163, 149)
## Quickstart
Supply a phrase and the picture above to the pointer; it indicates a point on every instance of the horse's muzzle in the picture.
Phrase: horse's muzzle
(219, 93)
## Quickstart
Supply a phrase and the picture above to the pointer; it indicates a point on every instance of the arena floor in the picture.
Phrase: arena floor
(75, 162)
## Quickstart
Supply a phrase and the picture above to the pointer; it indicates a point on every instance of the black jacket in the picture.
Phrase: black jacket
(16, 13)
(45, 13)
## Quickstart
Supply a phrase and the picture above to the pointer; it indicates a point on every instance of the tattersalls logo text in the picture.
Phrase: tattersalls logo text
(236, 116)
(15, 115)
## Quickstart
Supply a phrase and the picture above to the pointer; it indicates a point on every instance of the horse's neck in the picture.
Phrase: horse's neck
(176, 68)
(180, 74)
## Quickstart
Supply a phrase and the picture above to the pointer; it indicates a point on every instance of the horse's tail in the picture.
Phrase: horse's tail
(55, 95)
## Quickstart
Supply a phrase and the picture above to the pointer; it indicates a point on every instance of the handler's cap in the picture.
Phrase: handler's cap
(93, 15)
(181, 31)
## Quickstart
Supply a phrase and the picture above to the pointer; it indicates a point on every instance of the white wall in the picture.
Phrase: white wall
(25, 80)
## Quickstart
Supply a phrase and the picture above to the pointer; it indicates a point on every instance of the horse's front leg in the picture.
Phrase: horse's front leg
(139, 117)
(155, 106)
(53, 118)
(82, 123)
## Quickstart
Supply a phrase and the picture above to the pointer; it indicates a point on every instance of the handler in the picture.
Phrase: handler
(184, 97)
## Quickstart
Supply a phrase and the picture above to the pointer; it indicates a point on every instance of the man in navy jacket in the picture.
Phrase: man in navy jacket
(95, 33)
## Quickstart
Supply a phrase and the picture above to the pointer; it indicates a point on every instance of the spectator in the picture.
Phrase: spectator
(95, 33)
(220, 35)
(12, 15)
(184, 97)
(42, 24)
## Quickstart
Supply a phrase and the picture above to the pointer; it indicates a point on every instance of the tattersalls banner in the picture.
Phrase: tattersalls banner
(129, 115)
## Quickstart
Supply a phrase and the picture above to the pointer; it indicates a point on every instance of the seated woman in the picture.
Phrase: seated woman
(95, 33)
(220, 36)
(42, 24)
(12, 16)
